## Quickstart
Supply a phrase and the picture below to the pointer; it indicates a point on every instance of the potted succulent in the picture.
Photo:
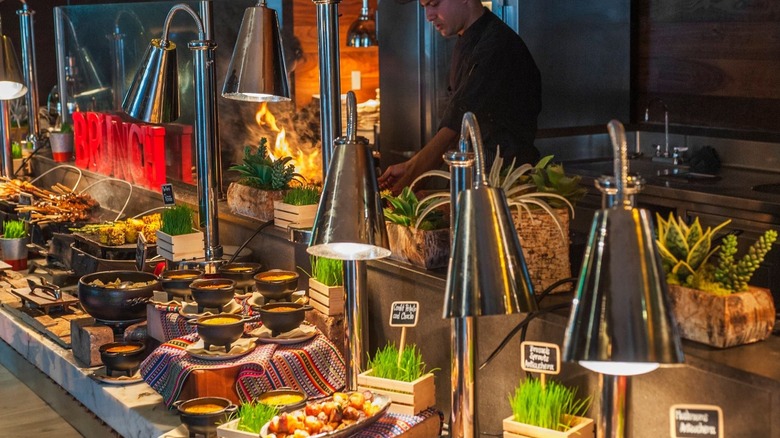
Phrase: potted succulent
(247, 420)
(177, 239)
(713, 302)
(546, 411)
(13, 244)
(62, 143)
(326, 285)
(262, 181)
(297, 207)
(403, 378)
(417, 235)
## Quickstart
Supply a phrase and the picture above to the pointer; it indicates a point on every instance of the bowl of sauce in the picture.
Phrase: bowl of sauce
(122, 357)
(276, 284)
(222, 329)
(284, 399)
(212, 292)
(282, 317)
(202, 415)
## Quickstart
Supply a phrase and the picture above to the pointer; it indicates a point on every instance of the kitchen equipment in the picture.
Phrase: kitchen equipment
(110, 304)
(282, 317)
(276, 284)
(242, 273)
(122, 356)
(215, 411)
(212, 292)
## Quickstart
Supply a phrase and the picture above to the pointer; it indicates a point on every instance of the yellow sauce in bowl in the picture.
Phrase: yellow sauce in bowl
(223, 320)
(281, 399)
(123, 349)
(203, 408)
(276, 277)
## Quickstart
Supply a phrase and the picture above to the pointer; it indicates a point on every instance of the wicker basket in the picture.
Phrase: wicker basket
(546, 252)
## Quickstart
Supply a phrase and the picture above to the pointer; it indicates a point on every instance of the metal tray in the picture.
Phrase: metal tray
(88, 244)
(83, 263)
(381, 400)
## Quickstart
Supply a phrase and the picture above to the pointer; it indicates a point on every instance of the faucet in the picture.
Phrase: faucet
(658, 153)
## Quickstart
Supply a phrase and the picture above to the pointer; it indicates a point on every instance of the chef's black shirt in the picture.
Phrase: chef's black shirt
(494, 76)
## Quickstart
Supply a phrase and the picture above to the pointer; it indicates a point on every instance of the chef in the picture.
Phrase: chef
(493, 75)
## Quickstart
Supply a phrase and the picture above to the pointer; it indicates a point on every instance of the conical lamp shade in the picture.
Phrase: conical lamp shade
(362, 32)
(621, 315)
(487, 274)
(153, 95)
(350, 223)
(11, 80)
(257, 70)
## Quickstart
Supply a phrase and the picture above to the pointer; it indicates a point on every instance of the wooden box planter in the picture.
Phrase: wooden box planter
(252, 202)
(545, 250)
(181, 247)
(408, 398)
(582, 427)
(426, 249)
(301, 216)
(328, 300)
(723, 320)
(230, 430)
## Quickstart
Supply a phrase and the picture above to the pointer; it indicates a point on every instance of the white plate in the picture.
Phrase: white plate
(190, 310)
(264, 335)
(192, 351)
(101, 376)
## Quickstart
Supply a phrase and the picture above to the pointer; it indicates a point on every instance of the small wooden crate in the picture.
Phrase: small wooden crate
(723, 320)
(301, 216)
(582, 428)
(329, 300)
(230, 430)
(181, 247)
(408, 398)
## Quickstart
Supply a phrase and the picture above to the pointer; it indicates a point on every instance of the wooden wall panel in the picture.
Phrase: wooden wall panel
(365, 60)
(714, 63)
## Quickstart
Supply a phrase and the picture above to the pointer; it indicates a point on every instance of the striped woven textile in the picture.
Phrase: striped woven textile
(174, 325)
(318, 370)
(392, 425)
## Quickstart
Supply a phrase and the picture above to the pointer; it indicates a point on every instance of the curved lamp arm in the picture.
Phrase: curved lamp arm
(469, 131)
(176, 8)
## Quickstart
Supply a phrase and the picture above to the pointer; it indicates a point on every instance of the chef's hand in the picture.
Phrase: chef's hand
(393, 178)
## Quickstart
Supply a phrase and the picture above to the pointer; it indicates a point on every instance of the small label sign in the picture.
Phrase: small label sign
(140, 252)
(404, 313)
(696, 421)
(167, 194)
(540, 357)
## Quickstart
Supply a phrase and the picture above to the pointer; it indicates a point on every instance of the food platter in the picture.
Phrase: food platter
(382, 402)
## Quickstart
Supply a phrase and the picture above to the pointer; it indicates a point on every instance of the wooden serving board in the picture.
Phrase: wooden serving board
(42, 301)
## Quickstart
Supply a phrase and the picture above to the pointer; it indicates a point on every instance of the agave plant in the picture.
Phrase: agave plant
(543, 186)
(406, 210)
(260, 171)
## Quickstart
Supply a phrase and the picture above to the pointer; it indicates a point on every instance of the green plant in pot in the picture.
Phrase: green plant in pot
(250, 418)
(177, 239)
(403, 377)
(326, 285)
(298, 207)
(418, 233)
(538, 406)
(14, 244)
(712, 300)
(262, 180)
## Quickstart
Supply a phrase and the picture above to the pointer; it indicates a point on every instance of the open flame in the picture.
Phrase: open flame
(307, 161)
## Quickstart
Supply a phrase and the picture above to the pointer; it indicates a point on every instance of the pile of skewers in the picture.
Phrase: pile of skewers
(60, 204)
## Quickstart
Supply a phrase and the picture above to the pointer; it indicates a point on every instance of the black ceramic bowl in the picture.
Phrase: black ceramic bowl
(276, 398)
(212, 292)
(280, 321)
(276, 284)
(122, 356)
(177, 282)
(216, 411)
(242, 273)
(124, 303)
(224, 333)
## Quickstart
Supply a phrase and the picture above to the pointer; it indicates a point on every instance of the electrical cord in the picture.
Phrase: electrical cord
(523, 325)
(246, 242)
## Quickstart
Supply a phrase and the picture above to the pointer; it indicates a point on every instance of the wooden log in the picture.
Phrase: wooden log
(426, 249)
(723, 320)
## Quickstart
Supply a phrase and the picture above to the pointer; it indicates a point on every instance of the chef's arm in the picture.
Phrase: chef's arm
(400, 175)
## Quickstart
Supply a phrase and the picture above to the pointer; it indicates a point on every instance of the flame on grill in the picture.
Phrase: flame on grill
(307, 161)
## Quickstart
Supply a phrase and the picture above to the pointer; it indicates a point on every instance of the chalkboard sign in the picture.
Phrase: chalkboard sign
(696, 421)
(404, 313)
(25, 199)
(167, 194)
(140, 252)
(540, 357)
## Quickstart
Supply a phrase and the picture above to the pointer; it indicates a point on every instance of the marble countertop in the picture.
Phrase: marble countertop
(134, 410)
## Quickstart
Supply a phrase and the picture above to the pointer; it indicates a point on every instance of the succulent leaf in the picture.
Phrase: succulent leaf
(675, 241)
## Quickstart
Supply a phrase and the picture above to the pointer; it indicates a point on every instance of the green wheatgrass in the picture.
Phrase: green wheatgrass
(14, 229)
(177, 220)
(547, 407)
(302, 195)
(329, 272)
(385, 364)
(252, 416)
